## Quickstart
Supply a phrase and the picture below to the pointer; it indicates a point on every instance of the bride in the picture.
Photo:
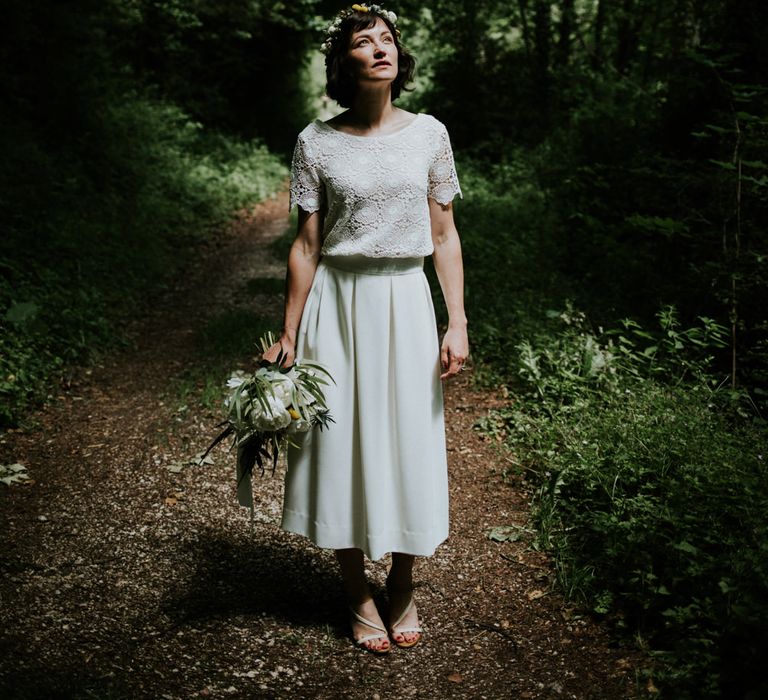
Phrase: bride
(374, 187)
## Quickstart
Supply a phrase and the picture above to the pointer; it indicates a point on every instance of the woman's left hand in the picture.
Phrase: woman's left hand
(454, 351)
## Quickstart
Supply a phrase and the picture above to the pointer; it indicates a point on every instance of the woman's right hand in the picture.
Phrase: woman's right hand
(284, 345)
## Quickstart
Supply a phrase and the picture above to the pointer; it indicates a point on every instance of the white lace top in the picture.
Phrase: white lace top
(374, 189)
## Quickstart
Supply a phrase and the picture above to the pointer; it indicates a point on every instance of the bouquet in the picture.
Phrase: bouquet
(266, 408)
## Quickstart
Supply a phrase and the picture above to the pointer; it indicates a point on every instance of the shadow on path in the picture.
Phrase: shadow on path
(233, 579)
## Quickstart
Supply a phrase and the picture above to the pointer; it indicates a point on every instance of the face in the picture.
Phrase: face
(373, 54)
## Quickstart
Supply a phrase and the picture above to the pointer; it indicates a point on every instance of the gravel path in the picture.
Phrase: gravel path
(128, 572)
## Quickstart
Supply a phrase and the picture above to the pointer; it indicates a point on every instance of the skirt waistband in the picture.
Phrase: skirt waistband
(364, 265)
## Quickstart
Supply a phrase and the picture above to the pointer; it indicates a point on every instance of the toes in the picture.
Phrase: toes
(405, 637)
(376, 646)
(409, 637)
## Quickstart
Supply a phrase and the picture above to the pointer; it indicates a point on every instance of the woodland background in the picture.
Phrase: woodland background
(614, 161)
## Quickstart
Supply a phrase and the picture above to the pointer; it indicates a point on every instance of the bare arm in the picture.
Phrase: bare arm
(450, 273)
(302, 264)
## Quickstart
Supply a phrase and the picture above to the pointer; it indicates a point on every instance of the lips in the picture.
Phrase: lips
(381, 63)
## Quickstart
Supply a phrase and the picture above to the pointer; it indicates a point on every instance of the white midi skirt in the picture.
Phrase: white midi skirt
(377, 478)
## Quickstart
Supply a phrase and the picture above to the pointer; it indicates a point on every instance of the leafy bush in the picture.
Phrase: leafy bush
(110, 218)
(650, 491)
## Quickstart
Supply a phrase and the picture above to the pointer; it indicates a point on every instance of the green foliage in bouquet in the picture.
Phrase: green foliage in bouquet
(268, 407)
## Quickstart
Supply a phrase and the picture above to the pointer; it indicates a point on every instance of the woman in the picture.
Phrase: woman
(374, 187)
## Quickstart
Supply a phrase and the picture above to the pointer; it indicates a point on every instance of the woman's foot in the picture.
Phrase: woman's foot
(404, 625)
(368, 630)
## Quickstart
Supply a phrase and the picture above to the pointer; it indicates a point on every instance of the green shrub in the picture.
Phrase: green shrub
(111, 217)
(650, 491)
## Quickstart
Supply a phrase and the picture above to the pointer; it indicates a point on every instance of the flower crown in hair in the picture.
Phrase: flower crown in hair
(333, 29)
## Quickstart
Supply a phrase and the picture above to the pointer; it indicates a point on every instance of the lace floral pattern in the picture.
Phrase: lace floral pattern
(374, 189)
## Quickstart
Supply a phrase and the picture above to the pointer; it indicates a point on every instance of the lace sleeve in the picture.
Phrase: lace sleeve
(306, 186)
(443, 180)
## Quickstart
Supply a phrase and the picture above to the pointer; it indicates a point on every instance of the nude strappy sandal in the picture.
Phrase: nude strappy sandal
(361, 642)
(415, 628)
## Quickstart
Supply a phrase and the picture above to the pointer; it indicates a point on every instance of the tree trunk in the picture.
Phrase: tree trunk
(653, 38)
(541, 21)
(523, 5)
(597, 53)
(567, 18)
(542, 79)
(627, 36)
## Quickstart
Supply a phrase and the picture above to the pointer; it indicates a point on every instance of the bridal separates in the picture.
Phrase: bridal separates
(376, 479)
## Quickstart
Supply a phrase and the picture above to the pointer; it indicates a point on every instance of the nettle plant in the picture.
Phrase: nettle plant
(572, 359)
(673, 354)
(578, 359)
(651, 498)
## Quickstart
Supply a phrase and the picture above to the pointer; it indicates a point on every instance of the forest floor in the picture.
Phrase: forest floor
(129, 572)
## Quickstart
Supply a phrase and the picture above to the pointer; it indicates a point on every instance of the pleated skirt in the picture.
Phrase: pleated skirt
(377, 478)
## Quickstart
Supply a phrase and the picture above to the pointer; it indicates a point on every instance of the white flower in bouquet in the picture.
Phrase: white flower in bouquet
(283, 386)
(275, 418)
(299, 426)
(236, 379)
(267, 407)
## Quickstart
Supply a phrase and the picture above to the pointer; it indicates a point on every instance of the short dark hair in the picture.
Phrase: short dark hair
(340, 86)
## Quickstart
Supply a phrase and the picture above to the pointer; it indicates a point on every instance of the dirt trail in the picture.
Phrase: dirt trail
(123, 579)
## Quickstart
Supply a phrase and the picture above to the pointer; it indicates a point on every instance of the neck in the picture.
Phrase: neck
(372, 106)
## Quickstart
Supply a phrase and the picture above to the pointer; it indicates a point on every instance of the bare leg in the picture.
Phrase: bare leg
(359, 597)
(400, 585)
